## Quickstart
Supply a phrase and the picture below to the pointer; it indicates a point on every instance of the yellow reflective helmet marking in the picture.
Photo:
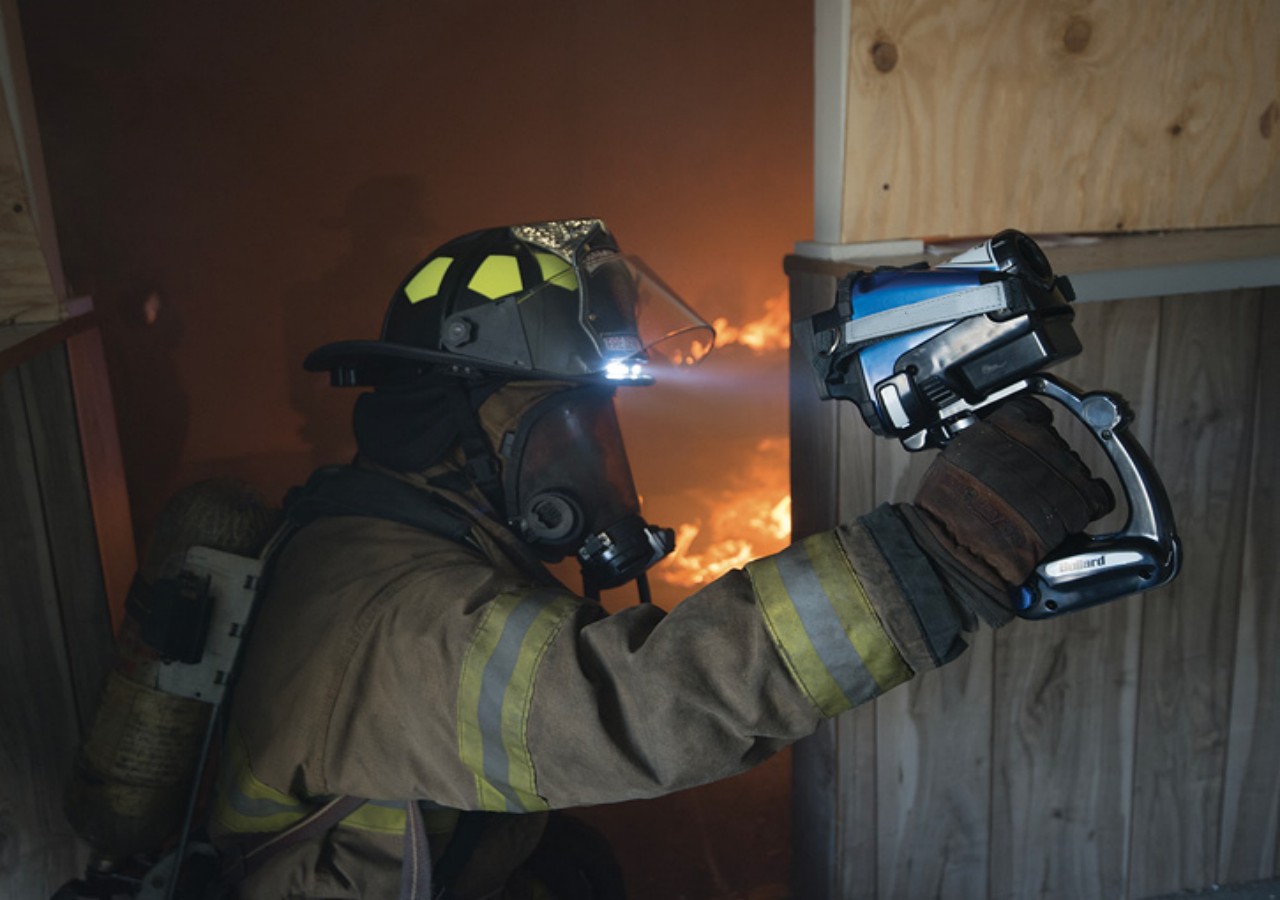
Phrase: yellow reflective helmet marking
(426, 284)
(557, 271)
(497, 277)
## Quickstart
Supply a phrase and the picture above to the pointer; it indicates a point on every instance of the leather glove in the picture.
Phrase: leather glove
(997, 500)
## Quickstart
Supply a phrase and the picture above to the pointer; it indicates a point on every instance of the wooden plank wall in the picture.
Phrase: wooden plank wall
(1123, 751)
(55, 643)
(959, 113)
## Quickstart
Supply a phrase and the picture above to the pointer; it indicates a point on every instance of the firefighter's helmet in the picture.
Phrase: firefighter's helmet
(550, 300)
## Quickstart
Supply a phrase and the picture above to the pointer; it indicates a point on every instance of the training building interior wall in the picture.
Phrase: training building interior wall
(1128, 750)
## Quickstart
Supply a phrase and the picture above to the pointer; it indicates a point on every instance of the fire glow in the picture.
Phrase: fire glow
(767, 333)
(760, 523)
(752, 516)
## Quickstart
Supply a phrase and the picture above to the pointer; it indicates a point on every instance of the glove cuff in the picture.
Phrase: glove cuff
(933, 623)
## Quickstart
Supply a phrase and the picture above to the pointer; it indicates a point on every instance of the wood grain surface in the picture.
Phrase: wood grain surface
(934, 750)
(69, 524)
(1250, 841)
(39, 729)
(859, 763)
(962, 117)
(1066, 689)
(1127, 751)
(103, 467)
(26, 289)
(1203, 448)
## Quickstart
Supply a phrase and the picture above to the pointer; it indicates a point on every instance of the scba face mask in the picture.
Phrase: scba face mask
(569, 489)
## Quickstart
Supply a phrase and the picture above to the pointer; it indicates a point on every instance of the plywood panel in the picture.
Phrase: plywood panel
(26, 290)
(1251, 809)
(1202, 447)
(1066, 689)
(1133, 116)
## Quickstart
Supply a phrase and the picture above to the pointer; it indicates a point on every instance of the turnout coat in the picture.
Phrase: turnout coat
(393, 664)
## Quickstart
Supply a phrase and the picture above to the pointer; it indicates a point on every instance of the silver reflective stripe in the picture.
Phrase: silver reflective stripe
(822, 622)
(260, 808)
(493, 691)
(824, 629)
(951, 307)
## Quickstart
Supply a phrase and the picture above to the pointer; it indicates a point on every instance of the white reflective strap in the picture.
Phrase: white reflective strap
(952, 307)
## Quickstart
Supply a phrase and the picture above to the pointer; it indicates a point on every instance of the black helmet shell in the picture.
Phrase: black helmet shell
(551, 300)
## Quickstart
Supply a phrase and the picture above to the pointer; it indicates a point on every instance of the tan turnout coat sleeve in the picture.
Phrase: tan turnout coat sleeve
(392, 664)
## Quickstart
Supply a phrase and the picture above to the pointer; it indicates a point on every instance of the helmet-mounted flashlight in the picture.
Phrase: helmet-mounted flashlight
(627, 370)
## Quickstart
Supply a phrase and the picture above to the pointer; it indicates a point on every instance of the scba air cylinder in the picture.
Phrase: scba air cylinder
(128, 791)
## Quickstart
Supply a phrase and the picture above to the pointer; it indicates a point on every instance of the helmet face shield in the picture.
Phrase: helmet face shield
(637, 319)
(611, 317)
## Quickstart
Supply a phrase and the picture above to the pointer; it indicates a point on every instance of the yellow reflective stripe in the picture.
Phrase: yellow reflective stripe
(383, 818)
(858, 619)
(387, 817)
(497, 277)
(496, 689)
(245, 805)
(426, 284)
(819, 617)
(557, 271)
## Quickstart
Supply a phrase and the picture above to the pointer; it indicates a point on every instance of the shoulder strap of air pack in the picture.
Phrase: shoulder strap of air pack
(346, 491)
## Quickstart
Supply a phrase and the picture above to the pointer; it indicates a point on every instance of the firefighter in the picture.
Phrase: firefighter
(419, 691)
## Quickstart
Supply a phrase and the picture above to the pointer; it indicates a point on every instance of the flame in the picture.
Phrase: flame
(769, 332)
(746, 521)
(697, 350)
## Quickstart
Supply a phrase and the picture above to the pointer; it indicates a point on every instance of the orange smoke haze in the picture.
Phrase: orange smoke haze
(750, 516)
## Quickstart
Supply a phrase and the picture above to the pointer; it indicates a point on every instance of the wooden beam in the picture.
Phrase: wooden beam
(103, 467)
